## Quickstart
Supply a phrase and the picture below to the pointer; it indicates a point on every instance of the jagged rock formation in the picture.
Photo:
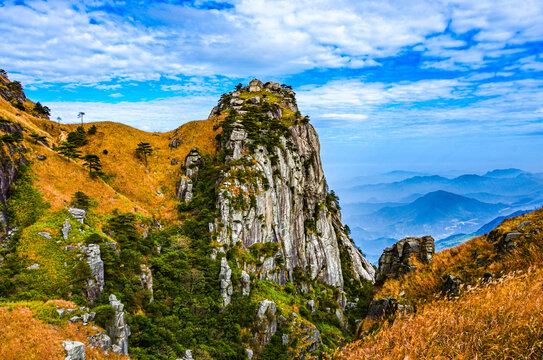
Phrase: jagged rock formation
(94, 286)
(146, 278)
(66, 227)
(397, 260)
(75, 350)
(226, 282)
(78, 214)
(274, 189)
(245, 283)
(118, 330)
(267, 320)
(192, 160)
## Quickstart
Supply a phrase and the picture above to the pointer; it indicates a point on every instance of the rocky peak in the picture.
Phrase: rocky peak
(273, 195)
(397, 260)
(192, 160)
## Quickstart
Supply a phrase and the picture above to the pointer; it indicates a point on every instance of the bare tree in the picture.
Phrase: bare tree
(80, 115)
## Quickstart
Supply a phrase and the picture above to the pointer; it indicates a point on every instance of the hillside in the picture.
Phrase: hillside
(219, 239)
(491, 309)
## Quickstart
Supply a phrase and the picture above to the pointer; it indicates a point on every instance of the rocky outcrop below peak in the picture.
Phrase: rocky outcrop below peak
(192, 161)
(118, 329)
(267, 320)
(146, 279)
(397, 260)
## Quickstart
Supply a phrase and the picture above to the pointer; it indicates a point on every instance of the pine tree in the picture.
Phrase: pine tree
(93, 163)
(38, 138)
(92, 130)
(69, 150)
(81, 200)
(144, 149)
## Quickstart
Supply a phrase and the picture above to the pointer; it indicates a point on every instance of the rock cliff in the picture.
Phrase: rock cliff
(272, 190)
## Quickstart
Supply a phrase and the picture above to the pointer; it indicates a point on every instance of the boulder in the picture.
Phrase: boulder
(397, 260)
(267, 320)
(146, 279)
(311, 305)
(45, 234)
(74, 350)
(33, 266)
(451, 285)
(255, 85)
(78, 214)
(41, 157)
(66, 227)
(524, 224)
(95, 285)
(382, 308)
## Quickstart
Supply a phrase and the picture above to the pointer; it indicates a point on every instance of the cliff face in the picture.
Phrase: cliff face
(274, 190)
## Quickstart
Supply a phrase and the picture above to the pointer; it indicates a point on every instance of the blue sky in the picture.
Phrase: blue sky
(434, 86)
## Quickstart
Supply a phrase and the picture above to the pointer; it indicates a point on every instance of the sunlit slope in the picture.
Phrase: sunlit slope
(496, 314)
(152, 186)
(130, 185)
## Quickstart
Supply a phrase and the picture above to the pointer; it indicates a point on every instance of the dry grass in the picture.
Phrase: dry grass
(502, 319)
(23, 337)
(499, 320)
(471, 260)
(133, 187)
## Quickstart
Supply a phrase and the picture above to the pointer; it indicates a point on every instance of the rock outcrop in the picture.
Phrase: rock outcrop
(95, 285)
(397, 260)
(267, 320)
(118, 329)
(146, 278)
(74, 350)
(226, 282)
(274, 190)
(184, 192)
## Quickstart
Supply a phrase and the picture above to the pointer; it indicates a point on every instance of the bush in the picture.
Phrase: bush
(104, 315)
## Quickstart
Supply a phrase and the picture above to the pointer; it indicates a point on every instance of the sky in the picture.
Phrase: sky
(434, 86)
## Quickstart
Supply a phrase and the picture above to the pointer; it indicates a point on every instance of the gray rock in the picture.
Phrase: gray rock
(34, 266)
(192, 161)
(226, 282)
(245, 283)
(396, 260)
(249, 353)
(118, 329)
(188, 355)
(75, 319)
(524, 224)
(255, 85)
(267, 319)
(41, 157)
(146, 279)
(95, 285)
(78, 214)
(254, 100)
(284, 339)
(174, 161)
(74, 350)
(66, 227)
(311, 305)
(100, 341)
(45, 235)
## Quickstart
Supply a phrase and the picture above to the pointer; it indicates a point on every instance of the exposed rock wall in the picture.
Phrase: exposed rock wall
(279, 194)
(118, 330)
(95, 285)
(397, 260)
(184, 192)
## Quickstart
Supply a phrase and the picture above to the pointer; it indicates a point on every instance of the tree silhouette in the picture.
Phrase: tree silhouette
(42, 110)
(144, 149)
(92, 130)
(93, 163)
(80, 116)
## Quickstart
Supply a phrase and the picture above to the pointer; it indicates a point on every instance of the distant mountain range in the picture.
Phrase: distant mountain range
(450, 209)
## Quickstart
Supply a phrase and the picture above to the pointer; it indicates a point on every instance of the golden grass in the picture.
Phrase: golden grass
(470, 261)
(498, 320)
(23, 337)
(133, 186)
(502, 319)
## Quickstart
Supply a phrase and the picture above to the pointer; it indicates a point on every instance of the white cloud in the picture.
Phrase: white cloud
(116, 95)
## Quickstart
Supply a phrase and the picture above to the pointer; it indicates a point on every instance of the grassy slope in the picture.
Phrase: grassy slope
(131, 187)
(32, 330)
(501, 319)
